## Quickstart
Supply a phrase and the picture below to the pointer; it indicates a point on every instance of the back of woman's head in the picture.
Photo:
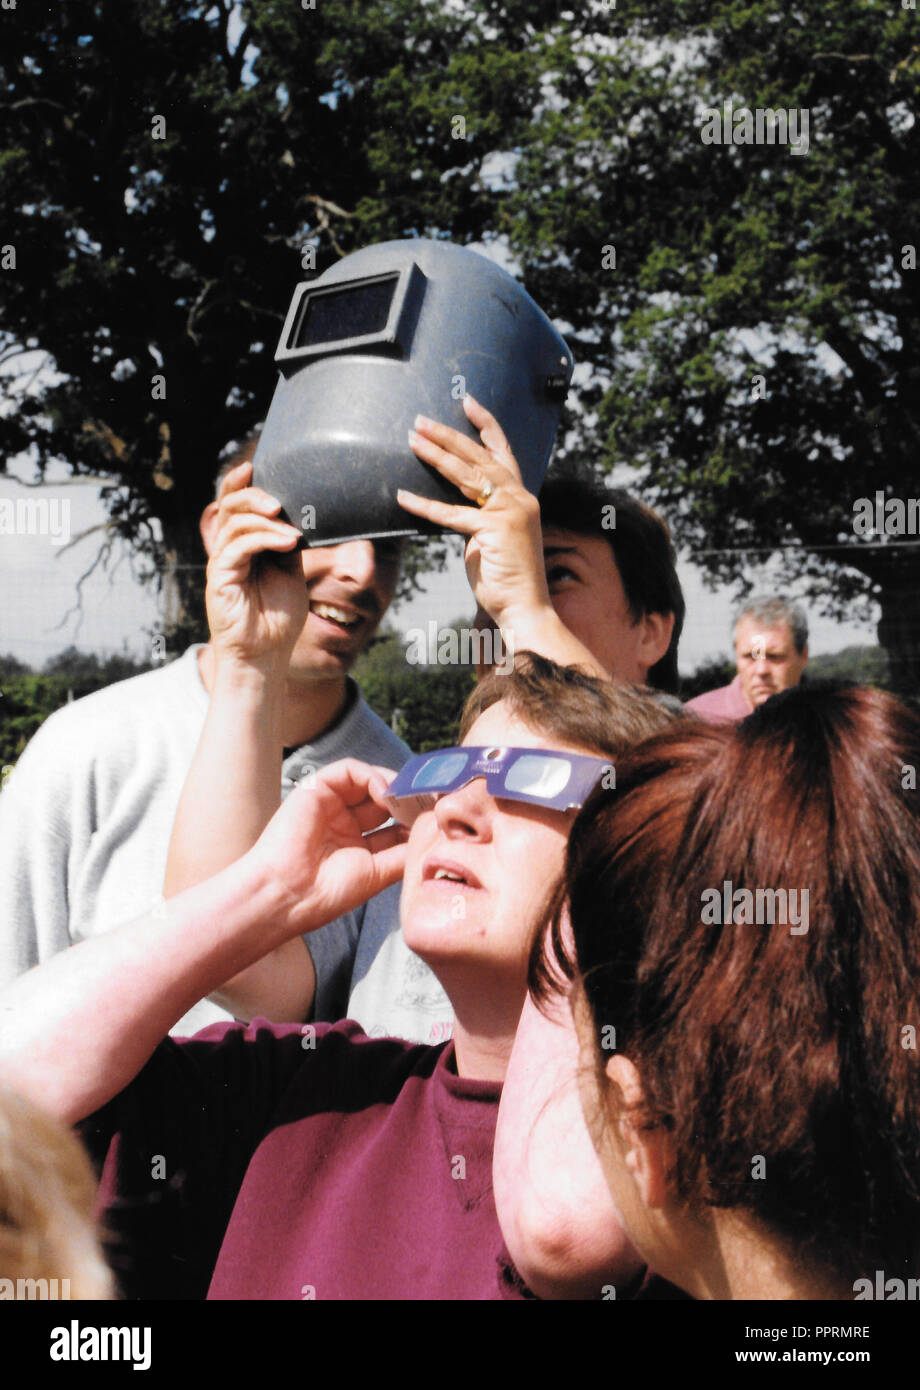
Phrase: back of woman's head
(49, 1241)
(745, 909)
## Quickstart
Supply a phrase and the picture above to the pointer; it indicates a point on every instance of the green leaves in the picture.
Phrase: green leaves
(163, 167)
(423, 702)
(570, 129)
(739, 260)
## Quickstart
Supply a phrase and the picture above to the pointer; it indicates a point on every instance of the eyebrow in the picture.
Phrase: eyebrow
(561, 550)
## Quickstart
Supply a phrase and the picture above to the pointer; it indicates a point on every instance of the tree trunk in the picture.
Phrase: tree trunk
(899, 624)
(182, 584)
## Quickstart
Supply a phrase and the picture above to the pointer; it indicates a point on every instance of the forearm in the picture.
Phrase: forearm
(231, 793)
(75, 1031)
(281, 986)
(537, 628)
(553, 1203)
(234, 783)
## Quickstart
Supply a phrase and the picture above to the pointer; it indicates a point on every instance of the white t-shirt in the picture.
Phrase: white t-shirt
(86, 818)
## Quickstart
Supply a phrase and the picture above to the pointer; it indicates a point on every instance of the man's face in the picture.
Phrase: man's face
(767, 660)
(349, 588)
(479, 868)
(588, 596)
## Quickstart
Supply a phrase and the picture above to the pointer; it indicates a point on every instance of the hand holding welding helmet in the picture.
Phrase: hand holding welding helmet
(256, 611)
(504, 550)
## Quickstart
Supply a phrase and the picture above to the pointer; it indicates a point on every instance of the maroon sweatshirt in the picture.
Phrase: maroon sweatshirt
(287, 1163)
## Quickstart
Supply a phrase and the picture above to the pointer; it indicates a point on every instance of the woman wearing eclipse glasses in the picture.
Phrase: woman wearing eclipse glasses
(314, 1161)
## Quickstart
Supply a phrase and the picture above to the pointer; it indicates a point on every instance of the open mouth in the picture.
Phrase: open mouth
(454, 874)
(340, 617)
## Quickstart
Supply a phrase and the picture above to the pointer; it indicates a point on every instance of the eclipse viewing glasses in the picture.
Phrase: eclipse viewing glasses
(541, 777)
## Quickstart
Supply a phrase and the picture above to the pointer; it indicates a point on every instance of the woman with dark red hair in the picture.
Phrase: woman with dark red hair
(739, 919)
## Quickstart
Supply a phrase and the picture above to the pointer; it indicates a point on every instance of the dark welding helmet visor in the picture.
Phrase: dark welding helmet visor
(394, 331)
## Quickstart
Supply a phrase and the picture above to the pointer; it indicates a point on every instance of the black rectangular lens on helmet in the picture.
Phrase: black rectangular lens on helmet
(350, 313)
(368, 314)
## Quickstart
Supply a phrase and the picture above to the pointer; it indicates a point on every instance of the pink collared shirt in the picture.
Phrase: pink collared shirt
(726, 703)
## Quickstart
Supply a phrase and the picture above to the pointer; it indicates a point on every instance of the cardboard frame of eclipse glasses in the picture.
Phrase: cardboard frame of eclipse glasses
(393, 331)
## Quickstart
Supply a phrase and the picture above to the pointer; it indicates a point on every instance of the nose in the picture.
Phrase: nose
(356, 563)
(466, 812)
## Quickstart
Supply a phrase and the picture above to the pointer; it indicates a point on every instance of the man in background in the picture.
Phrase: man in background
(771, 652)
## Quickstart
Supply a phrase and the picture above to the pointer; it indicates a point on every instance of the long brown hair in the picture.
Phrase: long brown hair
(754, 1042)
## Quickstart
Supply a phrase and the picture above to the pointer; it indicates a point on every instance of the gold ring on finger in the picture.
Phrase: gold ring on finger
(486, 493)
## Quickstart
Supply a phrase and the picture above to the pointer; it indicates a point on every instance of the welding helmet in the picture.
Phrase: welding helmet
(388, 333)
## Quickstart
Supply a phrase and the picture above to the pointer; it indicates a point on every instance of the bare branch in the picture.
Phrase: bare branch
(81, 536)
(847, 57)
(892, 76)
(30, 101)
(196, 311)
(14, 352)
(239, 52)
(326, 205)
(38, 371)
(255, 309)
(324, 208)
(102, 556)
(114, 442)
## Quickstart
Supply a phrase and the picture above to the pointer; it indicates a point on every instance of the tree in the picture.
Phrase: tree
(749, 313)
(85, 671)
(28, 697)
(26, 702)
(171, 170)
(867, 665)
(423, 703)
(11, 666)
